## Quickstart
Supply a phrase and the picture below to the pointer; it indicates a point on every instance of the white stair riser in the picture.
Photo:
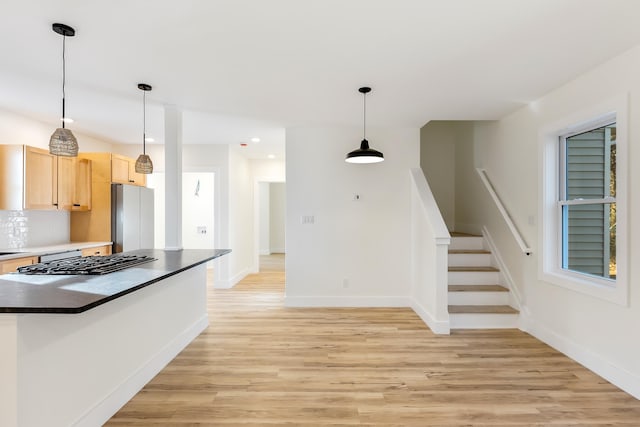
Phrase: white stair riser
(483, 321)
(478, 298)
(461, 243)
(469, 260)
(473, 277)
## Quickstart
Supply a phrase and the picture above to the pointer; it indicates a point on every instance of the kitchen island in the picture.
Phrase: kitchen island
(74, 349)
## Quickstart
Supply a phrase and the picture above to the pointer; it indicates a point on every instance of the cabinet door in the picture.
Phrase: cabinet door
(120, 169)
(12, 265)
(100, 250)
(66, 182)
(82, 185)
(135, 177)
(41, 171)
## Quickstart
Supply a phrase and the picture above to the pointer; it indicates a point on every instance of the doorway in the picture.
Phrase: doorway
(270, 221)
(198, 209)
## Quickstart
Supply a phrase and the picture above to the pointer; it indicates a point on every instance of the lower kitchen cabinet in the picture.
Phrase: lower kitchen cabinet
(11, 265)
(100, 250)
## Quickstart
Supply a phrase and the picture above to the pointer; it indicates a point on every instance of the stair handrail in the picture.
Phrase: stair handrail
(503, 211)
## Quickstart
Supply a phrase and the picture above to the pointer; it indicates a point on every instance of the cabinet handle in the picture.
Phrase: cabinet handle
(76, 204)
(131, 180)
(55, 204)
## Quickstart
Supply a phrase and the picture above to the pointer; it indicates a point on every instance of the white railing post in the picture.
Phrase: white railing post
(430, 247)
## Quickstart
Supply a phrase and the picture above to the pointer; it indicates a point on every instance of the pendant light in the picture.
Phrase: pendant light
(364, 154)
(144, 164)
(62, 142)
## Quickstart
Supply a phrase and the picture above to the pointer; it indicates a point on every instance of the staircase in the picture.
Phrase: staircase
(477, 300)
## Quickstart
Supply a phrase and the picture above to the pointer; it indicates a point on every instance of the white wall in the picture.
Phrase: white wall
(18, 129)
(355, 252)
(437, 160)
(597, 333)
(277, 217)
(241, 216)
(264, 224)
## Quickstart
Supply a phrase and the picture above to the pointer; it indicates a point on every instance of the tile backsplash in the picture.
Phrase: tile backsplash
(19, 229)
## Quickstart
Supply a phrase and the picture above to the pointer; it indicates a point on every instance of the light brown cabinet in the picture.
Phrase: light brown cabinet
(11, 265)
(31, 178)
(74, 184)
(123, 171)
(100, 250)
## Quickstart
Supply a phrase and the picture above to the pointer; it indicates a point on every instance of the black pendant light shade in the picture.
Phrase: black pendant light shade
(144, 163)
(62, 142)
(364, 154)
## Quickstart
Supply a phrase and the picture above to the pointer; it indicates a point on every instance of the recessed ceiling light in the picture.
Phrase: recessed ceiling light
(254, 139)
(149, 140)
(67, 119)
(271, 156)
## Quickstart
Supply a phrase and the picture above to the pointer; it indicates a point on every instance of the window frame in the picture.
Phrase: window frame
(550, 262)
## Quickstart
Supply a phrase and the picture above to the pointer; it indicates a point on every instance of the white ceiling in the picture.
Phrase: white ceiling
(250, 68)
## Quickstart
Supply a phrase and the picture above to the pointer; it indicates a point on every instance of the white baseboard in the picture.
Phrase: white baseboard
(277, 250)
(228, 284)
(264, 252)
(619, 377)
(346, 301)
(437, 327)
(102, 411)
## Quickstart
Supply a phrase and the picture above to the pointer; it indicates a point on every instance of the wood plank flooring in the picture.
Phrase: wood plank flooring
(261, 364)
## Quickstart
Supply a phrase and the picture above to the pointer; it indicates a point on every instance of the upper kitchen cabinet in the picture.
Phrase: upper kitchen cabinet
(40, 179)
(74, 184)
(31, 178)
(123, 171)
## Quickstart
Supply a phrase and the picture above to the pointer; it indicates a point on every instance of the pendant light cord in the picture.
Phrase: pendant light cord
(144, 122)
(64, 38)
(364, 119)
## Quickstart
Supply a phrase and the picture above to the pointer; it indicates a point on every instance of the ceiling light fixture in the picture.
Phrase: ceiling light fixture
(144, 163)
(147, 139)
(255, 139)
(62, 142)
(364, 154)
(271, 156)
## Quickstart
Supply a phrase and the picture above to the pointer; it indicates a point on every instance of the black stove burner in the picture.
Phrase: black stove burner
(86, 265)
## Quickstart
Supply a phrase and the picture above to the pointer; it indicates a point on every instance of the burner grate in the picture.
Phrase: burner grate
(86, 265)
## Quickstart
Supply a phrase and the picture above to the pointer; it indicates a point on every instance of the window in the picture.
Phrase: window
(587, 201)
(583, 202)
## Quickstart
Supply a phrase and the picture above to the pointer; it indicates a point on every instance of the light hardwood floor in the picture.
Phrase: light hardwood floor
(259, 363)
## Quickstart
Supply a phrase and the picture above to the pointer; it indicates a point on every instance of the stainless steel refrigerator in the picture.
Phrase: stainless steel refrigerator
(131, 217)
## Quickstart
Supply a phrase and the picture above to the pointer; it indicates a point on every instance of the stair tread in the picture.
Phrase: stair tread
(469, 251)
(477, 288)
(458, 234)
(473, 268)
(482, 309)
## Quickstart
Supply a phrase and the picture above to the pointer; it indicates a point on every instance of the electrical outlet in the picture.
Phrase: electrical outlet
(307, 219)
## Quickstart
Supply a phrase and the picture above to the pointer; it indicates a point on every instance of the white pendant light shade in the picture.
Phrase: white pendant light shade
(62, 142)
(144, 163)
(364, 154)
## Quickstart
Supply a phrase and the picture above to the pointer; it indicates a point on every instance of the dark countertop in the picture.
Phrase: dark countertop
(22, 293)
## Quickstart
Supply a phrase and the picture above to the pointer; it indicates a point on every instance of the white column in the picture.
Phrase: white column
(9, 370)
(173, 177)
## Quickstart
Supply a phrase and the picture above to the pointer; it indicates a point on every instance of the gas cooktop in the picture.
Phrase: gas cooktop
(86, 265)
